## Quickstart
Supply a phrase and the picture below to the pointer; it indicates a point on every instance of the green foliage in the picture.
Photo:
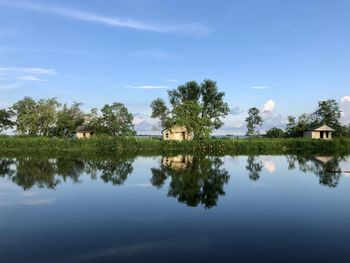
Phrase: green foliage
(115, 120)
(275, 133)
(6, 120)
(68, 119)
(254, 121)
(206, 101)
(27, 116)
(112, 144)
(160, 111)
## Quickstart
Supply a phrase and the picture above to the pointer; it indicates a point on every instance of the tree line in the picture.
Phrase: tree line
(200, 107)
(327, 113)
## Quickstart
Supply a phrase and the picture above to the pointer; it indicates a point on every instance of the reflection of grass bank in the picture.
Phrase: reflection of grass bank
(108, 145)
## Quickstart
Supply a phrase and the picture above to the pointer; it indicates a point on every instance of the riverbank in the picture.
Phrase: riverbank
(147, 146)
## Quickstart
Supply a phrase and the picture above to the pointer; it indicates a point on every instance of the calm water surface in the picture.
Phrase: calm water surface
(175, 209)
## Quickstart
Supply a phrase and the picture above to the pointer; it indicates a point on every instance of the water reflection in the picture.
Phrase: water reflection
(325, 167)
(254, 167)
(193, 180)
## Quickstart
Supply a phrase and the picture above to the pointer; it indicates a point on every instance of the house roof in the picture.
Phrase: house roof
(83, 129)
(322, 128)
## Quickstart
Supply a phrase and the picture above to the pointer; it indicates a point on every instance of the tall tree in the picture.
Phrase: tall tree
(27, 117)
(68, 119)
(47, 115)
(6, 120)
(329, 113)
(254, 121)
(116, 120)
(206, 101)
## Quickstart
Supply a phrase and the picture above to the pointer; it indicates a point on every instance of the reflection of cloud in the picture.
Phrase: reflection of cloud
(196, 243)
(269, 164)
(34, 202)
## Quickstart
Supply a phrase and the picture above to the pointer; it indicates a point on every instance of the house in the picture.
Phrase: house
(177, 133)
(84, 132)
(323, 133)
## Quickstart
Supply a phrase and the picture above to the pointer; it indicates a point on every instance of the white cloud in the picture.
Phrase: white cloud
(269, 106)
(31, 78)
(40, 71)
(189, 28)
(259, 87)
(147, 87)
(345, 108)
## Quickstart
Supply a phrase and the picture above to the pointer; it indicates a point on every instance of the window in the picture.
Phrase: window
(167, 135)
(84, 134)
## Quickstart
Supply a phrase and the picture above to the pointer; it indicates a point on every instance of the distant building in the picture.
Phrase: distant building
(84, 132)
(177, 133)
(322, 133)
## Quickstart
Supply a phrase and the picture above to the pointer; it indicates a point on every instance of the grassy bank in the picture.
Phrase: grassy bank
(110, 145)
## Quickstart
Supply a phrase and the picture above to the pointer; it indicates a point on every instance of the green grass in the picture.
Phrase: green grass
(110, 145)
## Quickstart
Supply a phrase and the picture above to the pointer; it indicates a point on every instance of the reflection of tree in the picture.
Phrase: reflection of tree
(326, 168)
(28, 172)
(6, 167)
(199, 180)
(34, 171)
(254, 167)
(114, 171)
(70, 168)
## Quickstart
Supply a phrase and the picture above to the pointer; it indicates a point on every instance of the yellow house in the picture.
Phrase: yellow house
(322, 133)
(83, 132)
(177, 133)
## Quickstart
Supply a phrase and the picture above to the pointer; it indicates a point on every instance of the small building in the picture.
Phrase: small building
(84, 132)
(322, 133)
(177, 133)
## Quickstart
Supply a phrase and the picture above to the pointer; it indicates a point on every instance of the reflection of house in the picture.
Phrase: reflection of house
(179, 162)
(324, 159)
(177, 133)
(324, 132)
(83, 132)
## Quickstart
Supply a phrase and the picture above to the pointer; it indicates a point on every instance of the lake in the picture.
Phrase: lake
(174, 209)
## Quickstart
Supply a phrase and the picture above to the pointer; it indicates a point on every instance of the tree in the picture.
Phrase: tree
(160, 111)
(5, 120)
(27, 118)
(115, 120)
(254, 120)
(290, 129)
(206, 101)
(68, 119)
(275, 133)
(328, 113)
(46, 115)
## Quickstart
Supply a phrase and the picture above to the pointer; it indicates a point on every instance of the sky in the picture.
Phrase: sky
(281, 56)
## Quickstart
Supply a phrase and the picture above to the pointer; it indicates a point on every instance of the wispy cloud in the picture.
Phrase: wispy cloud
(32, 78)
(10, 86)
(171, 80)
(259, 87)
(147, 87)
(188, 28)
(153, 53)
(40, 71)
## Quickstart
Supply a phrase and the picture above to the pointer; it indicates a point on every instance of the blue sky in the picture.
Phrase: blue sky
(282, 56)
